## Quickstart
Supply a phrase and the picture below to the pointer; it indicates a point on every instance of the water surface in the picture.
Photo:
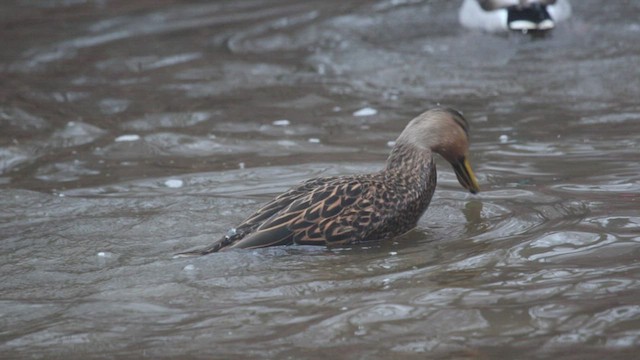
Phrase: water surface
(131, 131)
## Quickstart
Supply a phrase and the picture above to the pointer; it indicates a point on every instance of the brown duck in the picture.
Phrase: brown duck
(335, 211)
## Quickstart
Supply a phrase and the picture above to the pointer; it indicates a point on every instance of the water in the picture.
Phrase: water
(134, 131)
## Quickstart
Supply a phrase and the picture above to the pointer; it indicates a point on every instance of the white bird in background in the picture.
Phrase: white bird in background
(518, 15)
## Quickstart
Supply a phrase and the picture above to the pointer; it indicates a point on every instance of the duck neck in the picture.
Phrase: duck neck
(407, 158)
(412, 172)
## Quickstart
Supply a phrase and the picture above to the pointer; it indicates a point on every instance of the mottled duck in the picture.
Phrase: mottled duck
(342, 210)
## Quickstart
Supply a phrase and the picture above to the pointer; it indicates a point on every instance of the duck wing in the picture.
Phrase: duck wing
(269, 211)
(280, 202)
(333, 211)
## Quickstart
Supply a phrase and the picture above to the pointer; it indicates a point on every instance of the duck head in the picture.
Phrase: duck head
(446, 132)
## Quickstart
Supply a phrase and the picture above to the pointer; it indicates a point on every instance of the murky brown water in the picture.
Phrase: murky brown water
(134, 130)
